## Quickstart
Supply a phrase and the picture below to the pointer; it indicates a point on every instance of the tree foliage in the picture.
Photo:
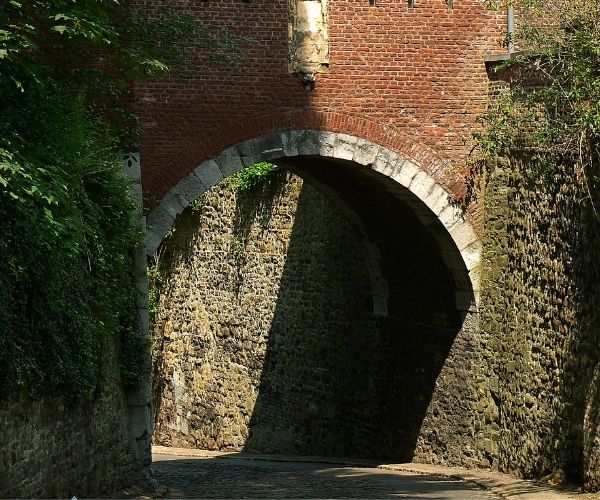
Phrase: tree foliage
(68, 234)
(251, 176)
(551, 114)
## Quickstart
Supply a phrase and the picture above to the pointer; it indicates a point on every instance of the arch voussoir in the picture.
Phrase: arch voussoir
(229, 161)
(209, 173)
(344, 147)
(365, 152)
(191, 187)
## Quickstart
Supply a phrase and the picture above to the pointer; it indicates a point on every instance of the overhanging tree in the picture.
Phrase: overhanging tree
(551, 114)
(66, 284)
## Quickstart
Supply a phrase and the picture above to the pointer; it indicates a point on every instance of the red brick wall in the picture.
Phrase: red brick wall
(413, 80)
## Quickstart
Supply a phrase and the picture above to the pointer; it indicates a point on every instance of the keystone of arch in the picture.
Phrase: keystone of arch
(459, 245)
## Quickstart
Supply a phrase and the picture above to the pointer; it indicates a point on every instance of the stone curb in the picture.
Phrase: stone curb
(502, 485)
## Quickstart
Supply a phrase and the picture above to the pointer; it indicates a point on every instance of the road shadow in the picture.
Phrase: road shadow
(243, 478)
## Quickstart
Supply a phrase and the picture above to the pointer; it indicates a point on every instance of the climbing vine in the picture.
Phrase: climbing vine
(66, 282)
(550, 116)
(250, 177)
(67, 290)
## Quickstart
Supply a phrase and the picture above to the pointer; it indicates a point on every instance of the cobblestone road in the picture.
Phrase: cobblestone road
(193, 477)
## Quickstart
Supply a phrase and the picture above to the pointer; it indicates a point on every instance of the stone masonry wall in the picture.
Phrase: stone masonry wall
(265, 338)
(541, 325)
(51, 449)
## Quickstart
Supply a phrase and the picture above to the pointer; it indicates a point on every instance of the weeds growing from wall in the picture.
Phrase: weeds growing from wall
(251, 177)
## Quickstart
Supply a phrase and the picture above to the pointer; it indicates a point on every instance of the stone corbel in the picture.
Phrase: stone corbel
(308, 39)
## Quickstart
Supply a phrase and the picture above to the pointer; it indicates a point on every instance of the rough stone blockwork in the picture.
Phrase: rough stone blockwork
(266, 338)
(57, 450)
(541, 310)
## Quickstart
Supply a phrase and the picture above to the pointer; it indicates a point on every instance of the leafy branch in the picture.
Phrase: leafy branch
(551, 113)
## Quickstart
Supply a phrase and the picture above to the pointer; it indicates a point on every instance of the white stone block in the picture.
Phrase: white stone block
(290, 142)
(406, 174)
(365, 152)
(437, 199)
(344, 146)
(327, 142)
(190, 187)
(463, 235)
(309, 143)
(270, 147)
(173, 203)
(248, 151)
(395, 164)
(472, 254)
(182, 200)
(475, 276)
(450, 216)
(159, 221)
(209, 173)
(421, 185)
(153, 241)
(229, 161)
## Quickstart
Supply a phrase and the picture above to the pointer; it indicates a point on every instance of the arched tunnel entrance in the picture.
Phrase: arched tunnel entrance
(312, 316)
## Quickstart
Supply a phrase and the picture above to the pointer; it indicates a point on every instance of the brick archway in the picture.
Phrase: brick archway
(459, 246)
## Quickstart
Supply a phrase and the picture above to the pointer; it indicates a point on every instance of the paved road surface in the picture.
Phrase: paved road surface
(194, 477)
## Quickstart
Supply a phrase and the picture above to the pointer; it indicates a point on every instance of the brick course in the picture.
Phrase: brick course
(407, 78)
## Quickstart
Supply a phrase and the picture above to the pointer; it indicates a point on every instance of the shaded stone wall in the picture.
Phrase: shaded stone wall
(50, 449)
(266, 340)
(541, 325)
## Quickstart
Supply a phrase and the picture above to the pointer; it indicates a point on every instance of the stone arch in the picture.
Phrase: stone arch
(403, 177)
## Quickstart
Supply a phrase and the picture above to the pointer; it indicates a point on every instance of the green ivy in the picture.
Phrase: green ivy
(67, 288)
(67, 240)
(550, 116)
(250, 177)
(156, 281)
